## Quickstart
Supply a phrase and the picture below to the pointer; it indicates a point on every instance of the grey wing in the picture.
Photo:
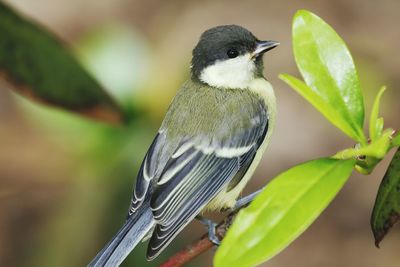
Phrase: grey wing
(147, 173)
(178, 200)
(190, 180)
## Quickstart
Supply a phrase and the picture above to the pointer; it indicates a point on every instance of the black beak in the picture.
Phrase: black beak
(262, 47)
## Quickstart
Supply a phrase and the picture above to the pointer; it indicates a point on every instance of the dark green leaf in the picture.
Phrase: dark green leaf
(41, 68)
(387, 204)
(328, 69)
(287, 206)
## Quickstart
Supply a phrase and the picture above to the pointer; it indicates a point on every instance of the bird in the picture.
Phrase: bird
(213, 136)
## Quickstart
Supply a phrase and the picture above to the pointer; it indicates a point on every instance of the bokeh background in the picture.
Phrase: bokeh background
(65, 182)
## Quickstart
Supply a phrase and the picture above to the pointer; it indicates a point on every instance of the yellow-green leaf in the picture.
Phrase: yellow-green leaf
(375, 123)
(396, 140)
(328, 69)
(329, 111)
(287, 206)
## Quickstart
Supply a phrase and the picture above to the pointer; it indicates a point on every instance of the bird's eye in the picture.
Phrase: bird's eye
(232, 53)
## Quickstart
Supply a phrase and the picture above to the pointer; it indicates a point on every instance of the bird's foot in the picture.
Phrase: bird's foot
(211, 227)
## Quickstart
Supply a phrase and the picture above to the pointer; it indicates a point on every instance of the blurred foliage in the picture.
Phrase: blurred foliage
(118, 58)
(38, 63)
(105, 160)
(42, 69)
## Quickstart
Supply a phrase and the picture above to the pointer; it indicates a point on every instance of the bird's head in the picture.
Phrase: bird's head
(229, 56)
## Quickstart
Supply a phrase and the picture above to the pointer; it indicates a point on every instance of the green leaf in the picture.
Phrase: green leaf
(42, 69)
(379, 126)
(329, 111)
(288, 205)
(375, 123)
(328, 69)
(396, 140)
(386, 210)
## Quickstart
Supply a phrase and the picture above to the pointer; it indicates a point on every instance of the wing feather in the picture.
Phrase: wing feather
(146, 173)
(222, 171)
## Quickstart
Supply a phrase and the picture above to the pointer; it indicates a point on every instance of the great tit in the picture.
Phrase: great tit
(208, 146)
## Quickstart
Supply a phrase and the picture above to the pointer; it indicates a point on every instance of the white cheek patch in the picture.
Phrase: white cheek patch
(231, 73)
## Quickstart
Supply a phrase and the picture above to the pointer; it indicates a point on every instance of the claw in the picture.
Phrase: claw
(211, 227)
(244, 201)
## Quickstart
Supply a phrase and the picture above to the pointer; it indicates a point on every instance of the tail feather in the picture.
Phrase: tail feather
(130, 234)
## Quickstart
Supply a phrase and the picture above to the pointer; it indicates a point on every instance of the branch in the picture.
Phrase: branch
(200, 246)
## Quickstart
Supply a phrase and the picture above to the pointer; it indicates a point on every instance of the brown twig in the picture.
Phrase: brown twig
(200, 246)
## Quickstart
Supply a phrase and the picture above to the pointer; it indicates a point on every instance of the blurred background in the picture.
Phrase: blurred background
(65, 182)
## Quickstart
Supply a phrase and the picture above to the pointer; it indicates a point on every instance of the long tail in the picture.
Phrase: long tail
(130, 234)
